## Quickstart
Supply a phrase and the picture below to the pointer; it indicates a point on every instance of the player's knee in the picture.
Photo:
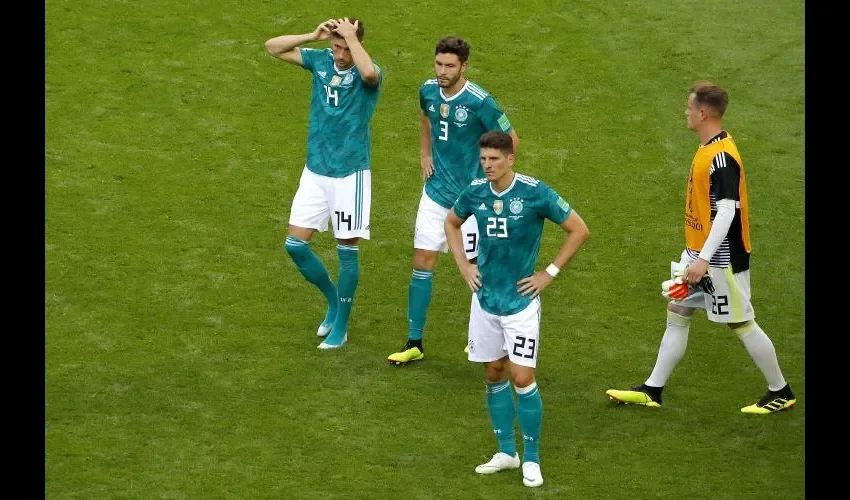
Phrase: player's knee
(681, 311)
(523, 379)
(743, 328)
(676, 319)
(495, 371)
(424, 260)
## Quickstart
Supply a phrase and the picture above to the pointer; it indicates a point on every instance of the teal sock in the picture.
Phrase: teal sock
(313, 270)
(418, 298)
(349, 275)
(500, 402)
(530, 411)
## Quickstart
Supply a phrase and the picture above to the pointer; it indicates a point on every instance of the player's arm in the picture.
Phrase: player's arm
(364, 63)
(577, 233)
(515, 138)
(286, 47)
(725, 178)
(468, 271)
(426, 159)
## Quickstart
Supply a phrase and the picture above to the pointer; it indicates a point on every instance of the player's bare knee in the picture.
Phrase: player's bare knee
(496, 371)
(424, 260)
(302, 233)
(348, 241)
(522, 376)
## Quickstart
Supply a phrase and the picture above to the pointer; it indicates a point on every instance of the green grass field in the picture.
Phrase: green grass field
(181, 356)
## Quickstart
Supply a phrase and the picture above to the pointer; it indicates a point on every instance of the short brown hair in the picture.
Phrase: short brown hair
(711, 95)
(361, 29)
(453, 45)
(496, 139)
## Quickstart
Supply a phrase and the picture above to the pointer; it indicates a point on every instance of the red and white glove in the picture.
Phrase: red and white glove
(677, 289)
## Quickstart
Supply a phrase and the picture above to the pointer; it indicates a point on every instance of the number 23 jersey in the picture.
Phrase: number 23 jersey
(510, 225)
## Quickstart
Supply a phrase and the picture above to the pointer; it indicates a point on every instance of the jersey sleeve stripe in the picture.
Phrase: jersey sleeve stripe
(477, 93)
(478, 90)
(531, 181)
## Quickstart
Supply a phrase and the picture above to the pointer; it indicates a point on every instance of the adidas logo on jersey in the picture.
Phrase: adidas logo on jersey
(482, 207)
(431, 108)
(322, 74)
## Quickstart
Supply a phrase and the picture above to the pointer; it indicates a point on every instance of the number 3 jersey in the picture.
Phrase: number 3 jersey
(510, 225)
(457, 122)
(341, 107)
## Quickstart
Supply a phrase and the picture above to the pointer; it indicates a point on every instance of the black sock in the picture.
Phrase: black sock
(414, 343)
(654, 392)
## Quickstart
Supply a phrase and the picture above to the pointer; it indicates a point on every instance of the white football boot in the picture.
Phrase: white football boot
(500, 461)
(531, 475)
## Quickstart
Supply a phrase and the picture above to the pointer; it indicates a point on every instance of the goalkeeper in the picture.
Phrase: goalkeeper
(714, 270)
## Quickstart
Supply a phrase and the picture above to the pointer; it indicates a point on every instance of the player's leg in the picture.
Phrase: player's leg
(487, 345)
(730, 304)
(429, 240)
(310, 213)
(522, 336)
(670, 352)
(351, 200)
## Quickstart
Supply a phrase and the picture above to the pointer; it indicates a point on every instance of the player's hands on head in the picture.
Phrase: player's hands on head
(344, 27)
(323, 30)
(534, 284)
(472, 276)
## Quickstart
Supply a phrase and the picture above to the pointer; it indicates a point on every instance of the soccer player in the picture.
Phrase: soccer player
(336, 183)
(717, 238)
(504, 321)
(454, 114)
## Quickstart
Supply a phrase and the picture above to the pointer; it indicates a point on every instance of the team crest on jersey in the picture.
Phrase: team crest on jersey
(444, 110)
(461, 114)
(348, 78)
(498, 205)
(335, 81)
(515, 206)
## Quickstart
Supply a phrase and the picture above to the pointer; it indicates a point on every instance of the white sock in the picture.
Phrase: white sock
(761, 349)
(673, 345)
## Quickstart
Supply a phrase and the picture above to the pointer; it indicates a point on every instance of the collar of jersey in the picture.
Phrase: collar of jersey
(506, 189)
(344, 71)
(459, 92)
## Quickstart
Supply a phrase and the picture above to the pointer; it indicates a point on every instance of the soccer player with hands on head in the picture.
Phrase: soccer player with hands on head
(336, 182)
(713, 272)
(504, 322)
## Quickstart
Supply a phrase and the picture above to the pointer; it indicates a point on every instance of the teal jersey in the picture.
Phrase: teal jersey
(341, 106)
(457, 123)
(510, 225)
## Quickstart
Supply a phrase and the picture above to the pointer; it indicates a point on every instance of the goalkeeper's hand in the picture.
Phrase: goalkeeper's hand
(678, 289)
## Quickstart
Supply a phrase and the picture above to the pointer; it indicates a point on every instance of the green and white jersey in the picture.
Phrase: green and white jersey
(457, 122)
(341, 106)
(510, 225)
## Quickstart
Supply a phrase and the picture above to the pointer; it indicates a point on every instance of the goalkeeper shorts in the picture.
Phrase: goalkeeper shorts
(730, 302)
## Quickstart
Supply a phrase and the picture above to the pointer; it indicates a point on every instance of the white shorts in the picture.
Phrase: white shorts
(730, 302)
(493, 337)
(430, 232)
(345, 202)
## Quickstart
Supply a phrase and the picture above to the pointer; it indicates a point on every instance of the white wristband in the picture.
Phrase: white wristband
(553, 270)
